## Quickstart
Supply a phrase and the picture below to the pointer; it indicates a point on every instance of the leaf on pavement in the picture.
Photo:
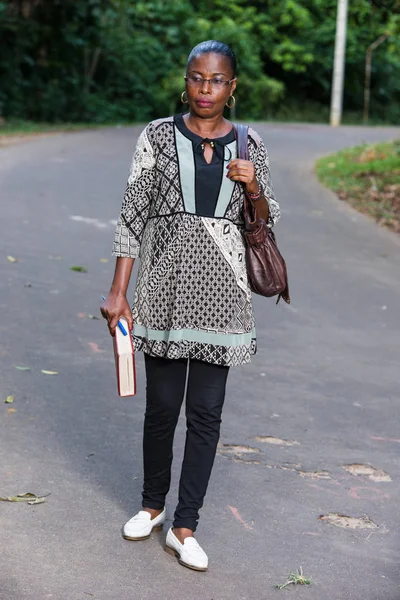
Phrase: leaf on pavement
(79, 269)
(37, 501)
(19, 368)
(104, 260)
(94, 317)
(49, 372)
(12, 259)
(27, 497)
(9, 400)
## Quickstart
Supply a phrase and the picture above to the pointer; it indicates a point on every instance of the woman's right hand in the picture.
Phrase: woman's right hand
(113, 308)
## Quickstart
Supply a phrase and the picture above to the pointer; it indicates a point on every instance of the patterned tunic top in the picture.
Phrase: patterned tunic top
(192, 298)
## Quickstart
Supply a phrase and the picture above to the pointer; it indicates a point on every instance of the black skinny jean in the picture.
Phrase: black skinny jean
(166, 379)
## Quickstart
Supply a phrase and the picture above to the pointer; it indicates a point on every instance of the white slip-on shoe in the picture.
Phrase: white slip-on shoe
(189, 554)
(141, 525)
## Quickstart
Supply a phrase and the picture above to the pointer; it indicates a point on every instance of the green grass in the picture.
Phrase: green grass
(368, 177)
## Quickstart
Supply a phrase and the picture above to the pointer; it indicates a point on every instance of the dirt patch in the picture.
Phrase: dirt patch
(10, 140)
(237, 449)
(296, 468)
(244, 461)
(348, 522)
(369, 472)
(315, 474)
(239, 454)
(270, 439)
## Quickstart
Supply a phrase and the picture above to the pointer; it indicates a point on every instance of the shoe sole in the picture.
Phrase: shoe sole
(173, 552)
(145, 537)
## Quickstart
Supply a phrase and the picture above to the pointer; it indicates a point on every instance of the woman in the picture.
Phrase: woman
(192, 313)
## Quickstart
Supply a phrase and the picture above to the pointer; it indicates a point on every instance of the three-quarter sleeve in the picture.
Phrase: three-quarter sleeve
(263, 174)
(137, 199)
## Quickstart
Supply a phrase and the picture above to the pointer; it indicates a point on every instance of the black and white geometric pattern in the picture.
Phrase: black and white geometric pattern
(185, 281)
(192, 273)
(218, 355)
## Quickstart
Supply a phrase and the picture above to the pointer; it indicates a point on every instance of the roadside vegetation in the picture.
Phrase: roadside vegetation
(368, 177)
(105, 61)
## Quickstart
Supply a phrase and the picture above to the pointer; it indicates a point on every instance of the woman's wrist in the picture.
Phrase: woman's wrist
(119, 292)
(255, 192)
(252, 187)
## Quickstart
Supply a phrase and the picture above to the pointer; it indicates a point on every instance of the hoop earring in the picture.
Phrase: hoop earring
(183, 98)
(233, 102)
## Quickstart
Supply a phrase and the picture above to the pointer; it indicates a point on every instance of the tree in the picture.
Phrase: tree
(107, 60)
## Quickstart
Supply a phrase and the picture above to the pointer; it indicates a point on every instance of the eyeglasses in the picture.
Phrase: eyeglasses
(215, 82)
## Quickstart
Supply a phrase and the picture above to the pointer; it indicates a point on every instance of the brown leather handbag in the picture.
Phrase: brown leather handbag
(266, 268)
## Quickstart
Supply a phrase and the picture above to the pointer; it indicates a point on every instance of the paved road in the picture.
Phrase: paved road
(326, 380)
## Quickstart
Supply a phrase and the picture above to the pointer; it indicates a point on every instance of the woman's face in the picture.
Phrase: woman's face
(207, 99)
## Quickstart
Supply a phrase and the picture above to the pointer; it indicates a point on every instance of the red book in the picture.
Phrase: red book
(125, 361)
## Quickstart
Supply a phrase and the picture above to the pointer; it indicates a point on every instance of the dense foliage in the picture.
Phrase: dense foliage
(107, 60)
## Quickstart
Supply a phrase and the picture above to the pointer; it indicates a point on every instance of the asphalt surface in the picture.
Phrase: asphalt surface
(325, 380)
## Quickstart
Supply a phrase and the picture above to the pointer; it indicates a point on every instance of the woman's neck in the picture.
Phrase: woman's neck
(207, 128)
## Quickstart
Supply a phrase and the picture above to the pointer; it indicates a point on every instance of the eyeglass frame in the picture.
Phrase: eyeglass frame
(186, 77)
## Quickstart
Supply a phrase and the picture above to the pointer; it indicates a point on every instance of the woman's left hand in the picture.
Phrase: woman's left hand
(244, 171)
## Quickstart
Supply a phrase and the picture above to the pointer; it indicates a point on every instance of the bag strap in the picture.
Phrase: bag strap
(249, 210)
(241, 134)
